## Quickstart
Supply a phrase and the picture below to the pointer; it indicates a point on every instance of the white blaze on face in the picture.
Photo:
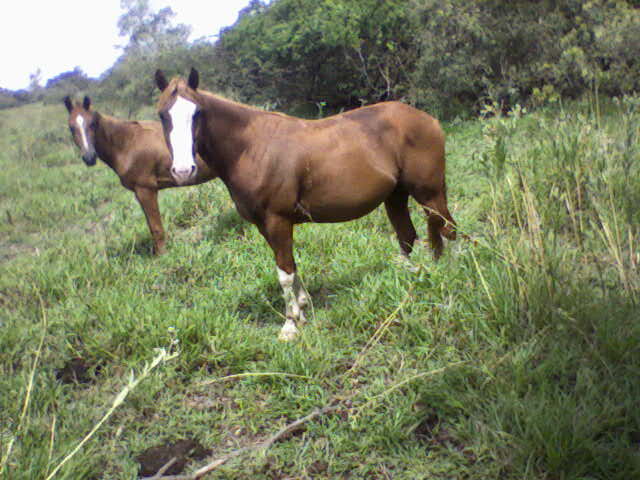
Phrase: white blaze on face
(83, 134)
(181, 136)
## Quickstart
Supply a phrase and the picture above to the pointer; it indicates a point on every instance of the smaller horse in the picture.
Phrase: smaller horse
(282, 171)
(137, 152)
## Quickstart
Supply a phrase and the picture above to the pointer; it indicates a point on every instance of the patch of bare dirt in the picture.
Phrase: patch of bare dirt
(77, 371)
(180, 452)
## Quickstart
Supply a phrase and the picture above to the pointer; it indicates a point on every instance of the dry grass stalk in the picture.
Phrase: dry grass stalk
(161, 357)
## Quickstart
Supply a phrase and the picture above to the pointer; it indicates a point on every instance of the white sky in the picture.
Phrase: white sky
(58, 35)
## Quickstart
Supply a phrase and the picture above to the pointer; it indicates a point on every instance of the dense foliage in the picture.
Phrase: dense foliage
(450, 57)
(343, 53)
(521, 51)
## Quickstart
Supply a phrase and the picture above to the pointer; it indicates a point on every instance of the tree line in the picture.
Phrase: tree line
(310, 57)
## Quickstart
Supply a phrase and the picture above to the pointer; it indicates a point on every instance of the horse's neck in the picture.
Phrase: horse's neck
(110, 140)
(226, 140)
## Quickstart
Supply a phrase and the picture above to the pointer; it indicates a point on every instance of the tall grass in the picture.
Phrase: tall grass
(565, 229)
(515, 356)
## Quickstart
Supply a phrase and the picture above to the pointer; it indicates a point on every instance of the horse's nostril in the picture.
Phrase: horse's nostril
(182, 172)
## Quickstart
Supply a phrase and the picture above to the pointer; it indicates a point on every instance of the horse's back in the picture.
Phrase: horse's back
(389, 138)
(416, 138)
(147, 141)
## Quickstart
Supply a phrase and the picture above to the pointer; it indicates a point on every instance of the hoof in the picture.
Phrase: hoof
(412, 268)
(289, 332)
(404, 262)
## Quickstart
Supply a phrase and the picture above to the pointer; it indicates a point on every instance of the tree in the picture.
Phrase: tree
(147, 30)
(342, 52)
(35, 80)
(152, 40)
(73, 82)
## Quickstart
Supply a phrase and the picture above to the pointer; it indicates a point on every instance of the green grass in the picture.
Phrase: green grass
(515, 357)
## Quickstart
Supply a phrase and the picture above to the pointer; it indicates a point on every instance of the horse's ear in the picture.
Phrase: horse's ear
(67, 103)
(86, 103)
(194, 79)
(161, 80)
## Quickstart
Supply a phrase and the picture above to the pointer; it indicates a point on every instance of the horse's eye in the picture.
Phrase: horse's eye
(72, 129)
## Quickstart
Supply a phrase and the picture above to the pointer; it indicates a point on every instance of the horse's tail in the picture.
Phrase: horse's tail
(440, 223)
(441, 220)
(448, 230)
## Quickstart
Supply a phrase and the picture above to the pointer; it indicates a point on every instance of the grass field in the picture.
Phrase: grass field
(514, 357)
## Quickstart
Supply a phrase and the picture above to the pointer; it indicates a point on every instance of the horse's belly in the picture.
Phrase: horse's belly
(341, 186)
(333, 213)
(344, 201)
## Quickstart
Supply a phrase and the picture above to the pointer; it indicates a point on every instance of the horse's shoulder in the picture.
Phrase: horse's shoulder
(147, 139)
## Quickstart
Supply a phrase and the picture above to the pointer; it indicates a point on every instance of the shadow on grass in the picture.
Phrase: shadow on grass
(138, 246)
(228, 224)
(264, 302)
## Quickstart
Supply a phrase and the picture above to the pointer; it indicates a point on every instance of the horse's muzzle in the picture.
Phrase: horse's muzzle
(89, 158)
(183, 175)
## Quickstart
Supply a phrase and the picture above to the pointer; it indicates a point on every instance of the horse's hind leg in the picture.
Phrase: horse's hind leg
(398, 212)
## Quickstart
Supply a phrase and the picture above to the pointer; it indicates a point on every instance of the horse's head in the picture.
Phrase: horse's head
(83, 123)
(179, 110)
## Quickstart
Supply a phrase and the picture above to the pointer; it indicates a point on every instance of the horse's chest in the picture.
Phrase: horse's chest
(127, 180)
(245, 207)
(253, 194)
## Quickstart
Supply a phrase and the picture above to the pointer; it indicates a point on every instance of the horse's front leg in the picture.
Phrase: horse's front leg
(278, 232)
(148, 199)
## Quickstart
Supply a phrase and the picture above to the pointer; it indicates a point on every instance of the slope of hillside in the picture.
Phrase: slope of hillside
(516, 356)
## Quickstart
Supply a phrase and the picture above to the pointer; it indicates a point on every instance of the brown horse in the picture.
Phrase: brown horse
(281, 170)
(137, 152)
